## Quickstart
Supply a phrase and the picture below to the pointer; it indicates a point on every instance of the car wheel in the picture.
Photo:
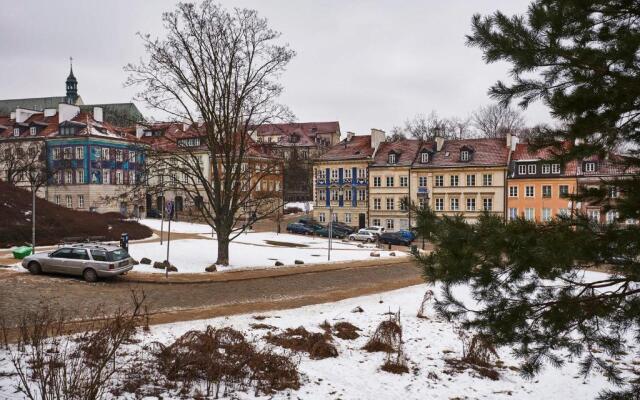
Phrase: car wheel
(35, 268)
(90, 275)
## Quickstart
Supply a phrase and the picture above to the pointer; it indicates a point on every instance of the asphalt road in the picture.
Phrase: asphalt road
(22, 292)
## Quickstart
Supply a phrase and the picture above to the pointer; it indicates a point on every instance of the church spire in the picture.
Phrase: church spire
(72, 85)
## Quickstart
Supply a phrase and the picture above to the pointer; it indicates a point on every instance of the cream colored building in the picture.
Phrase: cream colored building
(341, 180)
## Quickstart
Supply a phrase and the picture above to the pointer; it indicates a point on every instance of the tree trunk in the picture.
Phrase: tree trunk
(33, 220)
(223, 250)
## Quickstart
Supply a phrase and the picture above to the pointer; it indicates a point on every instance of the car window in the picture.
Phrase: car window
(79, 254)
(117, 255)
(62, 253)
(99, 255)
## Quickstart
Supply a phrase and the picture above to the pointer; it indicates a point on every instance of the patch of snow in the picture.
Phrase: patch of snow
(176, 226)
(303, 205)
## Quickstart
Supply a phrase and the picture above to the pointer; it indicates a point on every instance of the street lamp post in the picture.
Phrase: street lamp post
(340, 194)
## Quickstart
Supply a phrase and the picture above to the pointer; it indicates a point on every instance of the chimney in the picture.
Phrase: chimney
(139, 131)
(509, 138)
(22, 114)
(67, 112)
(439, 143)
(350, 136)
(377, 136)
(50, 112)
(13, 115)
(97, 114)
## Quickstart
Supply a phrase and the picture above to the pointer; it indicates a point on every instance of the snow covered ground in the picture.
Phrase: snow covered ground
(356, 374)
(250, 250)
(300, 204)
(176, 226)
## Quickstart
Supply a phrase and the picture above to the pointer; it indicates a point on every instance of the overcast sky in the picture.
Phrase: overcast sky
(367, 64)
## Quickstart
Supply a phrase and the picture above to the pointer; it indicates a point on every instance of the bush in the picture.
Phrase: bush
(299, 339)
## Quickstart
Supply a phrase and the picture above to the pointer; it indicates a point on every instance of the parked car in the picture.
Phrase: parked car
(407, 234)
(394, 238)
(91, 261)
(296, 227)
(339, 228)
(363, 235)
(153, 213)
(343, 227)
(378, 230)
(334, 233)
(311, 223)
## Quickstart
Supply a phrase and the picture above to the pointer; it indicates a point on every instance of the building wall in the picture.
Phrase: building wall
(325, 183)
(462, 192)
(543, 207)
(390, 216)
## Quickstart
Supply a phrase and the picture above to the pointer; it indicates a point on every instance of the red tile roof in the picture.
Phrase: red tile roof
(485, 152)
(405, 150)
(305, 131)
(358, 148)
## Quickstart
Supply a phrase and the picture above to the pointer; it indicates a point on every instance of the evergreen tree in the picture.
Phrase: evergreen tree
(531, 284)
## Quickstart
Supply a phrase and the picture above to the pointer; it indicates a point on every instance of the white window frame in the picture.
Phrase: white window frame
(80, 201)
(120, 177)
(321, 217)
(487, 179)
(546, 168)
(377, 203)
(546, 214)
(404, 181)
(487, 204)
(80, 176)
(471, 179)
(439, 203)
(390, 180)
(33, 131)
(438, 181)
(531, 169)
(390, 203)
(522, 169)
(424, 157)
(590, 167)
(555, 168)
(550, 191)
(69, 201)
(513, 213)
(392, 158)
(464, 155)
(526, 191)
(362, 195)
(530, 214)
(513, 191)
(454, 204)
(376, 222)
(347, 218)
(377, 181)
(106, 176)
(390, 223)
(104, 153)
(454, 180)
(68, 177)
(79, 153)
(16, 132)
(56, 199)
(471, 204)
(422, 181)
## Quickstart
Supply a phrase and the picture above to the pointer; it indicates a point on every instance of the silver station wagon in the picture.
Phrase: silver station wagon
(91, 261)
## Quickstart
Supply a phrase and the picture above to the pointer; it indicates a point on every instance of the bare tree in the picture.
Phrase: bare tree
(496, 120)
(218, 69)
(427, 127)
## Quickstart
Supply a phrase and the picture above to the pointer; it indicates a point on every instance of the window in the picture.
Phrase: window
(464, 155)
(424, 157)
(404, 204)
(347, 173)
(362, 173)
(487, 204)
(454, 180)
(105, 153)
(613, 192)
(80, 201)
(33, 131)
(590, 167)
(522, 169)
(347, 218)
(471, 204)
(376, 204)
(390, 203)
(513, 191)
(454, 204)
(80, 176)
(69, 201)
(487, 179)
(334, 195)
(563, 212)
(347, 195)
(189, 142)
(334, 173)
(612, 216)
(334, 217)
(546, 191)
(594, 215)
(546, 214)
(471, 180)
(132, 156)
(421, 203)
(321, 194)
(564, 190)
(16, 131)
(390, 181)
(132, 177)
(376, 222)
(404, 181)
(555, 168)
(531, 169)
(59, 177)
(79, 153)
(56, 199)
(119, 180)
(321, 217)
(392, 158)
(513, 214)
(69, 177)
(439, 180)
(529, 191)
(106, 177)
(439, 204)
(362, 195)
(68, 153)
(377, 181)
(67, 130)
(546, 168)
(119, 155)
(389, 224)
(529, 214)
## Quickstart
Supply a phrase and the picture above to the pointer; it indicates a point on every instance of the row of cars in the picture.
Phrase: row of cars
(339, 230)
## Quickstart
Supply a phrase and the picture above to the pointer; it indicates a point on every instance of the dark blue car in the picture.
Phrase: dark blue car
(302, 229)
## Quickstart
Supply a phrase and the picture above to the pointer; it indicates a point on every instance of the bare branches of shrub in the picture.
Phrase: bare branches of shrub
(220, 361)
(388, 338)
(478, 353)
(317, 345)
(428, 295)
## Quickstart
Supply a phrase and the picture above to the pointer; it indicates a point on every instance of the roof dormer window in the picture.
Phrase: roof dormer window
(392, 158)
(33, 131)
(464, 155)
(590, 167)
(424, 157)
(67, 130)
(16, 131)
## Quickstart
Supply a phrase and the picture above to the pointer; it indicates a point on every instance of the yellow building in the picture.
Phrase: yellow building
(340, 185)
(466, 177)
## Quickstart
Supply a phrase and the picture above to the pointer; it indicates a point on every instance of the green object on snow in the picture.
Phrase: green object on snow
(22, 251)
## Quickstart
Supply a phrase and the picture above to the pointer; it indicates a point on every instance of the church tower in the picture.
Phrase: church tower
(72, 86)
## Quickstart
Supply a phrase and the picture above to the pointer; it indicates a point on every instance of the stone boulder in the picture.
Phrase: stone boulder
(211, 268)
(298, 262)
(374, 254)
(279, 264)
(159, 265)
(145, 261)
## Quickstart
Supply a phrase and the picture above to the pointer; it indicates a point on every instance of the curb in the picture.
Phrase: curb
(226, 276)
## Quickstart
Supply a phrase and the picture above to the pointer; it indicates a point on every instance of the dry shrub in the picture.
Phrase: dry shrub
(299, 339)
(263, 326)
(428, 295)
(346, 331)
(387, 337)
(52, 365)
(478, 354)
(395, 366)
(223, 361)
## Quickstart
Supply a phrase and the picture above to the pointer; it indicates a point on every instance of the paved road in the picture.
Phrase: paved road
(181, 301)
